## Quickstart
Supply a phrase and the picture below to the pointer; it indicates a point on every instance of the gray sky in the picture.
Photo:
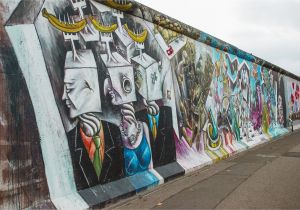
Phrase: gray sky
(269, 29)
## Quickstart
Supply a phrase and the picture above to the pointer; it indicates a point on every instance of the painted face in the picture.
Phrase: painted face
(130, 131)
(119, 85)
(111, 92)
(81, 91)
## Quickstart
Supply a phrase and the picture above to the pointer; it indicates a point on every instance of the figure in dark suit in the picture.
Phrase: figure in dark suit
(82, 156)
(162, 142)
(95, 145)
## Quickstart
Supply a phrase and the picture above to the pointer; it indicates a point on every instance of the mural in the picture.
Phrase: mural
(136, 99)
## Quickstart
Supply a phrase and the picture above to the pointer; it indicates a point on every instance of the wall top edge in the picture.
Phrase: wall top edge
(25, 13)
(139, 10)
(22, 16)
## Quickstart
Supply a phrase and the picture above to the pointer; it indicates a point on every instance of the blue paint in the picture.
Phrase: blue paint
(138, 159)
(151, 121)
(143, 180)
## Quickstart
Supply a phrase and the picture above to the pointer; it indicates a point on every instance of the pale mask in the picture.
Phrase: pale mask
(119, 85)
(81, 91)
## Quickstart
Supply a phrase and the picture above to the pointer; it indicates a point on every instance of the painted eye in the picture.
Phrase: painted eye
(68, 89)
(126, 84)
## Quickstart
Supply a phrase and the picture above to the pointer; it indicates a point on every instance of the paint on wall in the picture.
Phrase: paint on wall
(136, 101)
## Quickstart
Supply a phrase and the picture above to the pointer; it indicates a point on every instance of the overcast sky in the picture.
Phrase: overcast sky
(269, 29)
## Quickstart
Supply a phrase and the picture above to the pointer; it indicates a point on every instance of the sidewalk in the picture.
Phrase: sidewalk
(267, 176)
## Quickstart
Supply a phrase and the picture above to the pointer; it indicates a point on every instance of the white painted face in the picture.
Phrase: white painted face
(81, 91)
(130, 131)
(111, 92)
(119, 85)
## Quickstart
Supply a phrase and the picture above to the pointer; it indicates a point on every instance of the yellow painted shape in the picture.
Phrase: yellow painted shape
(102, 28)
(115, 5)
(62, 26)
(140, 38)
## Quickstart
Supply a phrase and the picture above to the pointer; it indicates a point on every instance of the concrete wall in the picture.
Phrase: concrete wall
(144, 99)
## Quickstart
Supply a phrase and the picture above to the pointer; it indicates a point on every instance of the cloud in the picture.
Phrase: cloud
(269, 29)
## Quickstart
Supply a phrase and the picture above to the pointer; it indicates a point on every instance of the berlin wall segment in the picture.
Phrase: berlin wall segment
(126, 98)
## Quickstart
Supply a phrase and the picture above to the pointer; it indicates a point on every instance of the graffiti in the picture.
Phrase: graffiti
(131, 100)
